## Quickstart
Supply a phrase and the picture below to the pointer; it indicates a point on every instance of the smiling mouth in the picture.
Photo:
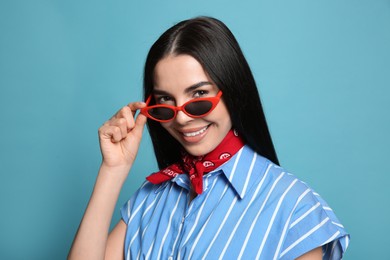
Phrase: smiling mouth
(192, 134)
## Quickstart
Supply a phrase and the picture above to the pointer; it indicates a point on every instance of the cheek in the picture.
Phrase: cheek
(168, 127)
(222, 114)
(165, 125)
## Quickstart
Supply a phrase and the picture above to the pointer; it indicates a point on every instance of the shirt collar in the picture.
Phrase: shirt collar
(245, 169)
(242, 171)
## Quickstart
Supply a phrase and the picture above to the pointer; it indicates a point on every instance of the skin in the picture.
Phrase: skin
(315, 254)
(119, 140)
(177, 81)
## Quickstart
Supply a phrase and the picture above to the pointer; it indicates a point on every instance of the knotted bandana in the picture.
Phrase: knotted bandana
(196, 166)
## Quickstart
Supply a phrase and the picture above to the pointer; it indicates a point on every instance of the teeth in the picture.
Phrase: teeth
(195, 133)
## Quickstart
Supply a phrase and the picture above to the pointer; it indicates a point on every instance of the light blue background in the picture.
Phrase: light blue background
(323, 70)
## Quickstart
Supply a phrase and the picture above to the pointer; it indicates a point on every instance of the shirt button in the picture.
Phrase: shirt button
(170, 258)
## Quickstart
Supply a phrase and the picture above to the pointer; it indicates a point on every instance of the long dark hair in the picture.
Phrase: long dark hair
(213, 45)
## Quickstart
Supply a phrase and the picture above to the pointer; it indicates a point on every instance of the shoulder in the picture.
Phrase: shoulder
(144, 195)
(294, 211)
(297, 197)
(254, 175)
(310, 221)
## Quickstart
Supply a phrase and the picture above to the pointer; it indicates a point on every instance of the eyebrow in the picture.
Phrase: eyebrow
(187, 90)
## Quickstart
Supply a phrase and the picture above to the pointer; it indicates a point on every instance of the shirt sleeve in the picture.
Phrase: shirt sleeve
(126, 210)
(314, 224)
(132, 206)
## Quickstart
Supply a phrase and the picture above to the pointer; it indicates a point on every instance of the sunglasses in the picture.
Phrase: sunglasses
(198, 107)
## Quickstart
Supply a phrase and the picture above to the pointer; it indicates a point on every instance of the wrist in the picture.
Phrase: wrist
(118, 172)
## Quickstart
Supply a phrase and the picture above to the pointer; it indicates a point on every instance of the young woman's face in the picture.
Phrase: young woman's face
(179, 79)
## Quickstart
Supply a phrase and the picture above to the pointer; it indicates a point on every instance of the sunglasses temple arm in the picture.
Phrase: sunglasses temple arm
(148, 100)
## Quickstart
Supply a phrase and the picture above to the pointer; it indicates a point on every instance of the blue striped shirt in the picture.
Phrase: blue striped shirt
(250, 209)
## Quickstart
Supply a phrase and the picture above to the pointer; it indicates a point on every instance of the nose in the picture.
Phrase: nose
(182, 118)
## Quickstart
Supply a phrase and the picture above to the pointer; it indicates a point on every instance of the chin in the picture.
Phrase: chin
(198, 150)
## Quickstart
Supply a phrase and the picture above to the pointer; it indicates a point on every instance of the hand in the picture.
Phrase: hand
(120, 136)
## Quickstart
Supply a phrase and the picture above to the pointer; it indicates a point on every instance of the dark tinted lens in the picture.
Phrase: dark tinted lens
(161, 113)
(198, 108)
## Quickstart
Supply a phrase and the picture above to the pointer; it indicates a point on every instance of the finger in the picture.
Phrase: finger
(122, 123)
(118, 122)
(110, 132)
(124, 112)
(139, 124)
(135, 106)
(128, 116)
(128, 113)
(116, 134)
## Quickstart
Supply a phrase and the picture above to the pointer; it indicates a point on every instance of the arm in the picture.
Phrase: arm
(119, 142)
(116, 241)
(315, 254)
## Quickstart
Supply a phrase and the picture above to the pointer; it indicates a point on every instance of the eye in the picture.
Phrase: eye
(164, 100)
(200, 93)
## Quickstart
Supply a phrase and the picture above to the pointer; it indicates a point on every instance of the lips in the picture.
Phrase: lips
(194, 135)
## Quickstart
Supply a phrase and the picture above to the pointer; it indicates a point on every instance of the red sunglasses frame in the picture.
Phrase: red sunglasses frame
(214, 102)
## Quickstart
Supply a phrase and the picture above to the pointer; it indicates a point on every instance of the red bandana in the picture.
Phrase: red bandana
(196, 166)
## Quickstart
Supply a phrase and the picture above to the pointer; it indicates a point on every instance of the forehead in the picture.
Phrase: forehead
(177, 72)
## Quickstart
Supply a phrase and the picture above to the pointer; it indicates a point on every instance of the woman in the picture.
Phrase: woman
(219, 192)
